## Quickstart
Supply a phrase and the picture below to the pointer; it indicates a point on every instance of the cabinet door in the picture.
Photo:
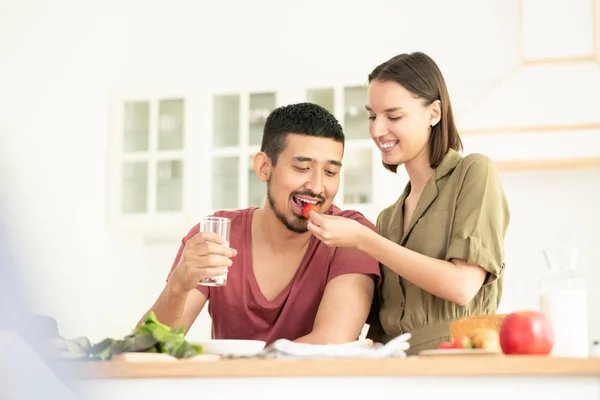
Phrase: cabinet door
(169, 187)
(135, 187)
(238, 124)
(357, 176)
(171, 124)
(148, 155)
(355, 115)
(225, 182)
(325, 97)
(260, 106)
(226, 121)
(136, 126)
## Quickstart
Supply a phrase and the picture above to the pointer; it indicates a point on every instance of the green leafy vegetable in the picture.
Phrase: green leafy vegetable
(151, 337)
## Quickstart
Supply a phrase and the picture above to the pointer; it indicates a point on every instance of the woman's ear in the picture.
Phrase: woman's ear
(262, 166)
(435, 113)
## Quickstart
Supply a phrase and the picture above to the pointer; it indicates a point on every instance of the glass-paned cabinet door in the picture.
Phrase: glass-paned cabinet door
(152, 133)
(357, 172)
(136, 126)
(135, 187)
(355, 114)
(257, 189)
(225, 182)
(170, 124)
(260, 106)
(323, 97)
(169, 188)
(226, 121)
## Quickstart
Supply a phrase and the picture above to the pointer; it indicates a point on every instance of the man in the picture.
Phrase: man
(282, 282)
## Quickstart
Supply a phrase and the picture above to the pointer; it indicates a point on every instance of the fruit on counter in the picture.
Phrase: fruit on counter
(308, 207)
(526, 332)
(446, 345)
(151, 337)
(462, 342)
(483, 338)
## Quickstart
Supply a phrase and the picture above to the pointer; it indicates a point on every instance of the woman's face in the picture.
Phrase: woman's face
(399, 122)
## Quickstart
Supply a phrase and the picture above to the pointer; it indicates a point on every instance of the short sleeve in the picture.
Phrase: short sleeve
(202, 289)
(481, 218)
(352, 261)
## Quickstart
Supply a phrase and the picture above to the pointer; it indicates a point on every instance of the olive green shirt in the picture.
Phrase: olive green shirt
(462, 213)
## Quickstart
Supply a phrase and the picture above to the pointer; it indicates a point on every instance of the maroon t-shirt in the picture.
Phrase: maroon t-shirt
(239, 310)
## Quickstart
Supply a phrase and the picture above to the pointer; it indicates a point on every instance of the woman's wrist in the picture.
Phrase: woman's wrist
(365, 238)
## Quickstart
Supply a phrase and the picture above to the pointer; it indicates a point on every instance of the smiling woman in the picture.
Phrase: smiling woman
(442, 243)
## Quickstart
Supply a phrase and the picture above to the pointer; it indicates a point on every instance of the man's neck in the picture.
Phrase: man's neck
(268, 231)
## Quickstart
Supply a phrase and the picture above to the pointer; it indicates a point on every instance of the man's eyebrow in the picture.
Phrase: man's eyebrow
(309, 159)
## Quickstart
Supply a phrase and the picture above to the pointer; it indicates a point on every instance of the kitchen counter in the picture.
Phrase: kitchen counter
(470, 377)
(479, 365)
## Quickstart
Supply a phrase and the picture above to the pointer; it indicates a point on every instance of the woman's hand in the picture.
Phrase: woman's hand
(336, 231)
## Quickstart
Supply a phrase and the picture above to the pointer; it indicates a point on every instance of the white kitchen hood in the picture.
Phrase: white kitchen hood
(557, 86)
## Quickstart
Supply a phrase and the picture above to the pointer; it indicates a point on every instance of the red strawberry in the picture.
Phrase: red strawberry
(307, 208)
(462, 342)
(446, 345)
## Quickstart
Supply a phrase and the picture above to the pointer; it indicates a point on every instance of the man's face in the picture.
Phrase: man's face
(308, 170)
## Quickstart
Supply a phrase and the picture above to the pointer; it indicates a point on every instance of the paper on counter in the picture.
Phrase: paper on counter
(286, 348)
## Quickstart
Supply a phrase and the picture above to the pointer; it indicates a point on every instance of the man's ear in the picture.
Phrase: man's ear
(262, 166)
(435, 113)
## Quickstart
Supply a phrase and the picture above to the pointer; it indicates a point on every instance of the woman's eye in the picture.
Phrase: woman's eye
(394, 118)
(371, 117)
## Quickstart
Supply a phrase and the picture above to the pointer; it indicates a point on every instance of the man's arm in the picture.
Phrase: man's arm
(200, 255)
(174, 308)
(343, 310)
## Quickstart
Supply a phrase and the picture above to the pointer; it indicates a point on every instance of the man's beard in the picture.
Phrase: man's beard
(299, 227)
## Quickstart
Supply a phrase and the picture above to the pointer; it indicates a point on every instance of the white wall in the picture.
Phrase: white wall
(59, 60)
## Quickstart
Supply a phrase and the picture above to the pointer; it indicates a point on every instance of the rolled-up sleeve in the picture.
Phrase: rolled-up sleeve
(481, 218)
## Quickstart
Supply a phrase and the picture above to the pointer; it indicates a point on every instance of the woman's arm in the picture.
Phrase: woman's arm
(475, 251)
(454, 281)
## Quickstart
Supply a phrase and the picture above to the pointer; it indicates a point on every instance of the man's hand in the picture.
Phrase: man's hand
(204, 256)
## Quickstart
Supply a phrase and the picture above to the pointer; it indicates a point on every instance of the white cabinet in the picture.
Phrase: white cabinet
(176, 155)
(147, 156)
(237, 126)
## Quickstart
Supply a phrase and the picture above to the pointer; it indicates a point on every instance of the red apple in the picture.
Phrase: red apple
(526, 332)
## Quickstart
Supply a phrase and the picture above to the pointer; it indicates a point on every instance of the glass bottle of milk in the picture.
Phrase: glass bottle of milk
(564, 302)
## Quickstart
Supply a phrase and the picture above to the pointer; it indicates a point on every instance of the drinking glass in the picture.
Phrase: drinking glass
(564, 302)
(220, 226)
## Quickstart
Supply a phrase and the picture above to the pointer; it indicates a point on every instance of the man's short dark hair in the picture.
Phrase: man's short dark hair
(303, 119)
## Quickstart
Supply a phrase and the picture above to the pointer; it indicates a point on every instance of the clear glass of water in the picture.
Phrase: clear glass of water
(222, 227)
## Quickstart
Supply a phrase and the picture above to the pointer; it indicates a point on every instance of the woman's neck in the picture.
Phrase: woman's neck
(419, 171)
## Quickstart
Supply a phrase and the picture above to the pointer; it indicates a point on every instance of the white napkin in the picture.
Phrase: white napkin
(285, 348)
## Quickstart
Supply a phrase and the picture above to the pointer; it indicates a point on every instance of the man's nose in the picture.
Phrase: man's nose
(315, 183)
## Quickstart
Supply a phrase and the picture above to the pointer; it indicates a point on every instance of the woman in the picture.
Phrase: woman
(442, 243)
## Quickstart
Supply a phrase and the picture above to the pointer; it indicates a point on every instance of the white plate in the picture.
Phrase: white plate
(459, 352)
(230, 347)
